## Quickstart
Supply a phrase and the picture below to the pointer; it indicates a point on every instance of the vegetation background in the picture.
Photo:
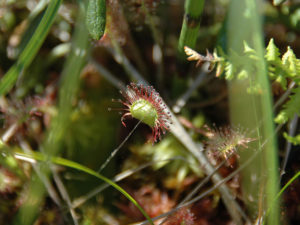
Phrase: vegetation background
(228, 72)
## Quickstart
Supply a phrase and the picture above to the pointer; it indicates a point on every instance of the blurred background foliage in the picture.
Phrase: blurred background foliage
(58, 80)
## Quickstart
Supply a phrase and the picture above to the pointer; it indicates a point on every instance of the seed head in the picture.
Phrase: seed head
(145, 104)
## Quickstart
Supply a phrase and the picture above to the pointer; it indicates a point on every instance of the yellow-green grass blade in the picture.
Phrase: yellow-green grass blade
(31, 49)
(71, 164)
(251, 107)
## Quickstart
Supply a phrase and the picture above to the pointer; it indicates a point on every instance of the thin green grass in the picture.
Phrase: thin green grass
(79, 167)
(51, 146)
(281, 191)
(288, 184)
(31, 49)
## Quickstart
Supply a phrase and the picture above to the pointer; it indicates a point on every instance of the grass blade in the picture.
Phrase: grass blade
(31, 49)
(288, 184)
(71, 164)
(68, 90)
(251, 107)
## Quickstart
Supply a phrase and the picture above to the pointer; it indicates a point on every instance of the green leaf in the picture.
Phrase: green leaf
(242, 75)
(31, 26)
(281, 69)
(290, 61)
(295, 19)
(229, 71)
(248, 49)
(290, 108)
(282, 81)
(191, 23)
(31, 49)
(272, 53)
(278, 2)
(294, 140)
(96, 18)
(282, 190)
(220, 68)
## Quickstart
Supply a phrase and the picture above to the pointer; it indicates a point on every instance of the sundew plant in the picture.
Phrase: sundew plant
(149, 112)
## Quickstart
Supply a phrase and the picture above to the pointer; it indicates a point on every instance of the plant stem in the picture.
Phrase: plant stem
(121, 58)
(190, 25)
(288, 146)
(121, 176)
(115, 151)
(181, 101)
(230, 203)
(249, 107)
(285, 95)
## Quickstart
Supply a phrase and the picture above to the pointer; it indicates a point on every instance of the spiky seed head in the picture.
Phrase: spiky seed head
(145, 104)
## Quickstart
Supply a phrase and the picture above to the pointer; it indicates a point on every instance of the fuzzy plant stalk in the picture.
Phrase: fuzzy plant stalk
(191, 23)
(251, 107)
